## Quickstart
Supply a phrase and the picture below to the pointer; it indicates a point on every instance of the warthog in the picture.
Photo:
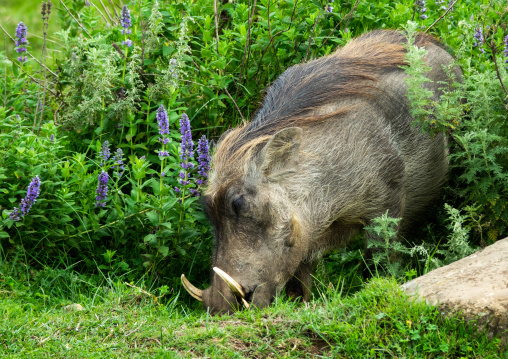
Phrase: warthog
(331, 148)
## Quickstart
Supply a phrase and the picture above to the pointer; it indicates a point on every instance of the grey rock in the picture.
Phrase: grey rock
(476, 287)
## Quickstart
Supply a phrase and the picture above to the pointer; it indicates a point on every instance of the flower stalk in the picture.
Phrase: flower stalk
(21, 41)
(29, 200)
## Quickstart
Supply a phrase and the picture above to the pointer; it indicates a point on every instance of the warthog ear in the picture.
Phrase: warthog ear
(280, 154)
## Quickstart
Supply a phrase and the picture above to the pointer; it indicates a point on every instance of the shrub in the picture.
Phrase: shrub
(122, 85)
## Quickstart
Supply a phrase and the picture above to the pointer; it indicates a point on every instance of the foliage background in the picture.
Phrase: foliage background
(211, 60)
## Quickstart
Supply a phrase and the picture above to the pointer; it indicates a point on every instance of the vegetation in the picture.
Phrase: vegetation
(101, 170)
(120, 321)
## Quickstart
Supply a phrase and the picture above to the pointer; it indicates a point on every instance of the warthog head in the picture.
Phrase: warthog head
(257, 231)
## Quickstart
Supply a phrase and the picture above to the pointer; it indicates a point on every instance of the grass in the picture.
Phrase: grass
(121, 321)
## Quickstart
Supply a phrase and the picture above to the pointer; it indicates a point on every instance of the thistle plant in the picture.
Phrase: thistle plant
(94, 76)
(27, 202)
(155, 26)
(21, 41)
(418, 95)
(457, 245)
(168, 82)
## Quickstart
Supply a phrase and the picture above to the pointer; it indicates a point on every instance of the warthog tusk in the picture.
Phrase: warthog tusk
(233, 285)
(245, 303)
(193, 291)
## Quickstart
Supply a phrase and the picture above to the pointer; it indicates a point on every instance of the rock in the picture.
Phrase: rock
(73, 307)
(475, 286)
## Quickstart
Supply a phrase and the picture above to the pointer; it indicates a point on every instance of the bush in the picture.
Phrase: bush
(97, 105)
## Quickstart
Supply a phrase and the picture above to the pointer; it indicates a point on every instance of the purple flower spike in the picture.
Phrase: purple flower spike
(127, 42)
(104, 153)
(186, 151)
(163, 122)
(420, 7)
(203, 159)
(21, 31)
(21, 41)
(118, 163)
(125, 20)
(505, 51)
(31, 196)
(102, 190)
(187, 144)
(478, 37)
(329, 8)
(14, 215)
(162, 119)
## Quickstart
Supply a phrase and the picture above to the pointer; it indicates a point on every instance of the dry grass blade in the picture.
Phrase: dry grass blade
(77, 22)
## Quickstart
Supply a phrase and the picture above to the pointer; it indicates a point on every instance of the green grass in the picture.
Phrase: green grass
(120, 321)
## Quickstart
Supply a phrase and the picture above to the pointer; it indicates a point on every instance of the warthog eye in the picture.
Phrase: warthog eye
(237, 204)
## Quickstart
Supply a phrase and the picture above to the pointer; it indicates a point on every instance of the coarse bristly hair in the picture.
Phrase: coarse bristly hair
(293, 98)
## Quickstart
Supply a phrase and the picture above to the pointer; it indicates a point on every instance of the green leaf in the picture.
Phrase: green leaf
(164, 250)
(243, 30)
(15, 70)
(153, 217)
(65, 219)
(167, 50)
(4, 234)
(150, 238)
(169, 204)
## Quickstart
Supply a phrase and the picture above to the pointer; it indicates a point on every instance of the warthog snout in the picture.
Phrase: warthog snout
(236, 289)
